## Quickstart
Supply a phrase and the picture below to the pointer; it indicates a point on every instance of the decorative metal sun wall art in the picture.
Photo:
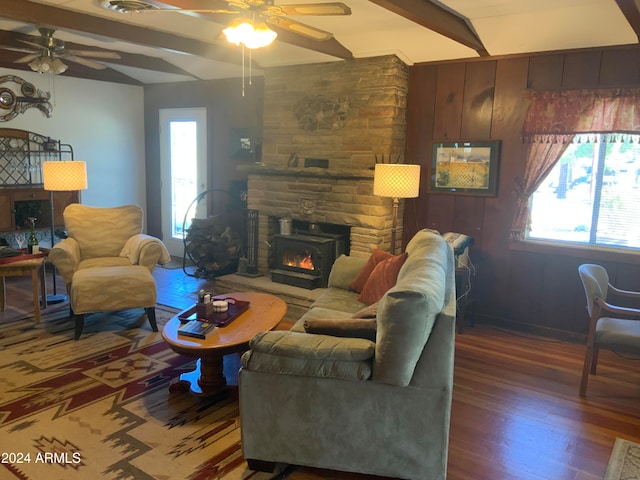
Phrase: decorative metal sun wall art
(13, 103)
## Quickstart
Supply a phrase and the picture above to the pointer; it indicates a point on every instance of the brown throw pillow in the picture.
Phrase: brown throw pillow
(376, 257)
(348, 327)
(383, 277)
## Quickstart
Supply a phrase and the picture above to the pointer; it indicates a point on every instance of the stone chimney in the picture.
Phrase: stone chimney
(324, 127)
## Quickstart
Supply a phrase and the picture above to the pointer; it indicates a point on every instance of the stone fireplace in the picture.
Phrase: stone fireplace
(324, 128)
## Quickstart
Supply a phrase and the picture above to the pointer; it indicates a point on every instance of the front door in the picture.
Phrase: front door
(183, 154)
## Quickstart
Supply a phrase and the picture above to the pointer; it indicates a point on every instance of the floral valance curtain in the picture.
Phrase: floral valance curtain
(554, 119)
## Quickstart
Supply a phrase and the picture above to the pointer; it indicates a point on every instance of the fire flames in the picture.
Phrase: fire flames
(298, 261)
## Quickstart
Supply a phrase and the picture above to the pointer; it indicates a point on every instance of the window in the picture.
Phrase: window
(592, 194)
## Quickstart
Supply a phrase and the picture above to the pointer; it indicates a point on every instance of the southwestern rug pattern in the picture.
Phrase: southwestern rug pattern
(624, 463)
(100, 407)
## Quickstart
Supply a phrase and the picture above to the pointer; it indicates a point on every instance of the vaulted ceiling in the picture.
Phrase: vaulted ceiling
(157, 47)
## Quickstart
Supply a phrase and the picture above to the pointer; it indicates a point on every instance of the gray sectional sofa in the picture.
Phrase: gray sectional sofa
(352, 404)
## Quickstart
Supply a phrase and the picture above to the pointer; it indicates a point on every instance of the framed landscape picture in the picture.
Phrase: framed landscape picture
(465, 167)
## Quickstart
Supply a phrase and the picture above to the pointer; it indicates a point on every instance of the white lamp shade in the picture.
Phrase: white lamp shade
(396, 180)
(64, 175)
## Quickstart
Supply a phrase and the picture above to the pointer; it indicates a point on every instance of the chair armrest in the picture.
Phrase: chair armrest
(624, 293)
(607, 307)
(65, 256)
(145, 250)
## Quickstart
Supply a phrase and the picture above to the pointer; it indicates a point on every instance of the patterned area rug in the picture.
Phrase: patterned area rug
(624, 463)
(100, 407)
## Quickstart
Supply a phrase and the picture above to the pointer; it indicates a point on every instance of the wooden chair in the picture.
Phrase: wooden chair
(620, 332)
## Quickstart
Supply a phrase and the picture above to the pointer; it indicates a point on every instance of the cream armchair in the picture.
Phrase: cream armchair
(106, 261)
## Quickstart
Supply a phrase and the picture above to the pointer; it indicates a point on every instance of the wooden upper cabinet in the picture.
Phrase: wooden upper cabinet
(22, 194)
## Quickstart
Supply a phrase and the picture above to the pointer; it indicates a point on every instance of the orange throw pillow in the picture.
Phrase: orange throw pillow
(376, 257)
(383, 277)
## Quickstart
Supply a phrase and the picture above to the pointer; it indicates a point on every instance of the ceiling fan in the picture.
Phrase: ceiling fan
(276, 15)
(47, 52)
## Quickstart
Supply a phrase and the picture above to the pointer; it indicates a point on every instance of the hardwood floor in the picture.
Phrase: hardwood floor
(516, 412)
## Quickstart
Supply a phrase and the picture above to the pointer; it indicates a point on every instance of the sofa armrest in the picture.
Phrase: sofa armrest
(65, 256)
(344, 270)
(145, 250)
(294, 353)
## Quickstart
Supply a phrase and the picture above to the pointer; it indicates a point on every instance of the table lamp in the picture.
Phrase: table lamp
(62, 176)
(396, 180)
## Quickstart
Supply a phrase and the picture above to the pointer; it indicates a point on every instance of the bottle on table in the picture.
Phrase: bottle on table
(33, 247)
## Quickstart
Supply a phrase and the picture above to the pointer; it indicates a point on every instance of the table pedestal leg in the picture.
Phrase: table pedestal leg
(206, 380)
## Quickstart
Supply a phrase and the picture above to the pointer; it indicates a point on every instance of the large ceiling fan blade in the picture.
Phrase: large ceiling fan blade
(32, 44)
(135, 6)
(300, 28)
(93, 53)
(84, 61)
(316, 9)
(27, 58)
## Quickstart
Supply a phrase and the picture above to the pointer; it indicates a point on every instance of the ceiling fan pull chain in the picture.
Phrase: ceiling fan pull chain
(243, 69)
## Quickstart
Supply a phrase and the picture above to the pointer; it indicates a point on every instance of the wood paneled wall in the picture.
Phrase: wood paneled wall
(532, 287)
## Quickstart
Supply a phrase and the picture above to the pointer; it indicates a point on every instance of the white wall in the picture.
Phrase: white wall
(103, 122)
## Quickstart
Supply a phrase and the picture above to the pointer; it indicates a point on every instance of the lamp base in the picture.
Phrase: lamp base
(53, 299)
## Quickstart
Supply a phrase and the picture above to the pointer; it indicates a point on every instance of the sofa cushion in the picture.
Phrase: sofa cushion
(326, 368)
(407, 312)
(340, 300)
(382, 278)
(297, 353)
(370, 311)
(303, 345)
(344, 270)
(376, 257)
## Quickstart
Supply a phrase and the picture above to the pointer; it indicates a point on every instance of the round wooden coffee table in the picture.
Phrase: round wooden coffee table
(264, 313)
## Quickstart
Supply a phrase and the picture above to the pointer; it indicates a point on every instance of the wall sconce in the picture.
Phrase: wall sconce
(397, 181)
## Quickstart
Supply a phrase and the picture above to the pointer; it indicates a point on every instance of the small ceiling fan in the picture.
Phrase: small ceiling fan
(47, 52)
(276, 15)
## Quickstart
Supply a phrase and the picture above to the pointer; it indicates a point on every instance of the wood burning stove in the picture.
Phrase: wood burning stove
(305, 260)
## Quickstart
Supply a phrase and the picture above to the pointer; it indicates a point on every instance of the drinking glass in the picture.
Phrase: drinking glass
(20, 239)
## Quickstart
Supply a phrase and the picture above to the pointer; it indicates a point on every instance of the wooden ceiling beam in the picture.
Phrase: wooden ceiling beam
(438, 19)
(46, 15)
(631, 11)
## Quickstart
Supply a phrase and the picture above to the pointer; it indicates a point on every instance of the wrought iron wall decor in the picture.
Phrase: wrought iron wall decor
(12, 103)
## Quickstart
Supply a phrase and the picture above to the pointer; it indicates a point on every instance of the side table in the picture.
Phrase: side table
(30, 266)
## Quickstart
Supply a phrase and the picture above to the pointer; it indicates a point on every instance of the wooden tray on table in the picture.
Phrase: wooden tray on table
(220, 319)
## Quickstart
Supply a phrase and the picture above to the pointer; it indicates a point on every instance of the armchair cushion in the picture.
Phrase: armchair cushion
(102, 232)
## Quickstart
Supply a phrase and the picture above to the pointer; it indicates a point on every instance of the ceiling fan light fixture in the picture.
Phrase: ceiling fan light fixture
(244, 31)
(48, 64)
